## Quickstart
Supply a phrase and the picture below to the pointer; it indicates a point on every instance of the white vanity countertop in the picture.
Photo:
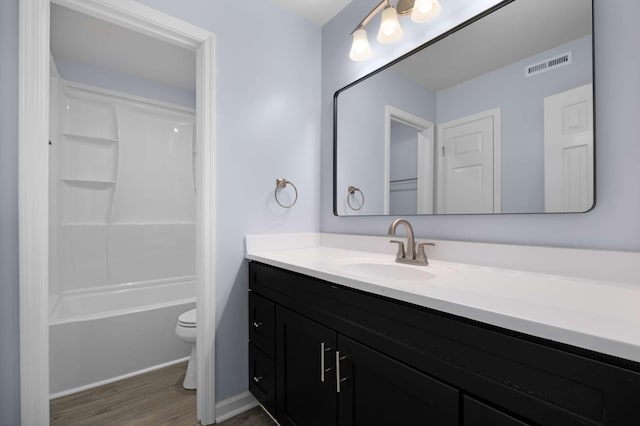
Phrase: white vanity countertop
(599, 315)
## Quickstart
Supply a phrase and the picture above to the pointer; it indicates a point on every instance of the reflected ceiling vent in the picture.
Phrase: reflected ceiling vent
(548, 64)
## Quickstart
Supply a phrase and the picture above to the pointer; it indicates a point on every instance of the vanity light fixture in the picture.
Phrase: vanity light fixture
(424, 10)
(390, 30)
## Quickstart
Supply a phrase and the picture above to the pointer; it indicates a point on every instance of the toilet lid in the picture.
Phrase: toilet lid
(188, 319)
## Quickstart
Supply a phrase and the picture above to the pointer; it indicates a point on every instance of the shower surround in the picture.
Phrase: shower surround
(122, 233)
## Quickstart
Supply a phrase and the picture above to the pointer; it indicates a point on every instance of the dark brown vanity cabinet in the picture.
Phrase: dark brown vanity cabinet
(378, 390)
(325, 378)
(324, 354)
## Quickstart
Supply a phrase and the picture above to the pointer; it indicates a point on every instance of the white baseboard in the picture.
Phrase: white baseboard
(235, 405)
(115, 379)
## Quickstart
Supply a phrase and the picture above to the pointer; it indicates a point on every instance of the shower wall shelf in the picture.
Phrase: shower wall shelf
(152, 223)
(87, 180)
(81, 224)
(90, 138)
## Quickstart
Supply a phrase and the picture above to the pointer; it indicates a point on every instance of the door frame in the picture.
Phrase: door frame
(425, 154)
(33, 188)
(496, 115)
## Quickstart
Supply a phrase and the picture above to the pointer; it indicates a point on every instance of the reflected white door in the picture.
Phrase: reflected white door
(568, 150)
(469, 164)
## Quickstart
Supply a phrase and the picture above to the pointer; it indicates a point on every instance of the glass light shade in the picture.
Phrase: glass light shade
(360, 48)
(390, 29)
(423, 10)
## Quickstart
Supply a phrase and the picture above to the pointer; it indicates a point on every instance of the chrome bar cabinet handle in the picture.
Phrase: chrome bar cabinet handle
(338, 379)
(322, 362)
(323, 368)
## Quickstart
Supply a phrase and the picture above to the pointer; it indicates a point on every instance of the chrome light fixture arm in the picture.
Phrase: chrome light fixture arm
(369, 17)
(390, 29)
(404, 7)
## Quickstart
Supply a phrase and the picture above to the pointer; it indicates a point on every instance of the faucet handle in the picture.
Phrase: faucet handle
(421, 253)
(401, 253)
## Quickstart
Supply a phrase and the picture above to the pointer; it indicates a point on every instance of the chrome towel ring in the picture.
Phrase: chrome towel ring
(351, 193)
(281, 183)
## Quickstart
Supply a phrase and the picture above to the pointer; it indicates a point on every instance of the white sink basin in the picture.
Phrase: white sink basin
(387, 270)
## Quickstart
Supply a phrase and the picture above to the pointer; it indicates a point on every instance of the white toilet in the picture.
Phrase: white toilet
(186, 330)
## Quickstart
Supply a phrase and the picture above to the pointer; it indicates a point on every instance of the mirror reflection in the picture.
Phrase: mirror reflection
(496, 117)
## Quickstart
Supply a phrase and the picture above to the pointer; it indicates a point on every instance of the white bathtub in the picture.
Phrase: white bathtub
(102, 335)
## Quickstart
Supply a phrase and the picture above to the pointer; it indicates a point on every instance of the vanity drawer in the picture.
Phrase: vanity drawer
(262, 378)
(262, 319)
(478, 414)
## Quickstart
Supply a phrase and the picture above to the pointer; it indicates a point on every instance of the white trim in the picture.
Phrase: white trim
(34, 62)
(140, 18)
(33, 207)
(205, 229)
(426, 175)
(235, 405)
(425, 148)
(118, 378)
(497, 160)
(53, 68)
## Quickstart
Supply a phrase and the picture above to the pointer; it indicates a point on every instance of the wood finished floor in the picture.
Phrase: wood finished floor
(254, 417)
(155, 398)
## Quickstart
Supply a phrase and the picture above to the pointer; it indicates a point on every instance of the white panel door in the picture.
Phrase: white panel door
(469, 166)
(568, 150)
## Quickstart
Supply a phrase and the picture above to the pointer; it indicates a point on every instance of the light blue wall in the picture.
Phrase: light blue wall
(122, 82)
(9, 332)
(615, 221)
(268, 114)
(361, 117)
(521, 102)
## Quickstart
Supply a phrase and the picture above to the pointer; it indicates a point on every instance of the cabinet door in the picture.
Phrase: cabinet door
(478, 414)
(305, 382)
(377, 390)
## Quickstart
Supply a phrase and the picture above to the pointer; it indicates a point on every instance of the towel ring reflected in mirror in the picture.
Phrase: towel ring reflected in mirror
(351, 193)
(282, 183)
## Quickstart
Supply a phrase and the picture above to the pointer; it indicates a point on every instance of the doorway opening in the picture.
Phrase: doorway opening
(408, 140)
(34, 188)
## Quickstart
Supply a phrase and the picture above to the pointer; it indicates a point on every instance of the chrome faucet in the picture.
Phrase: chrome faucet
(411, 256)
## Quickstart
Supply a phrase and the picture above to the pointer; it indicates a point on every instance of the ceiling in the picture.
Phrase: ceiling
(80, 38)
(517, 31)
(83, 39)
(316, 11)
